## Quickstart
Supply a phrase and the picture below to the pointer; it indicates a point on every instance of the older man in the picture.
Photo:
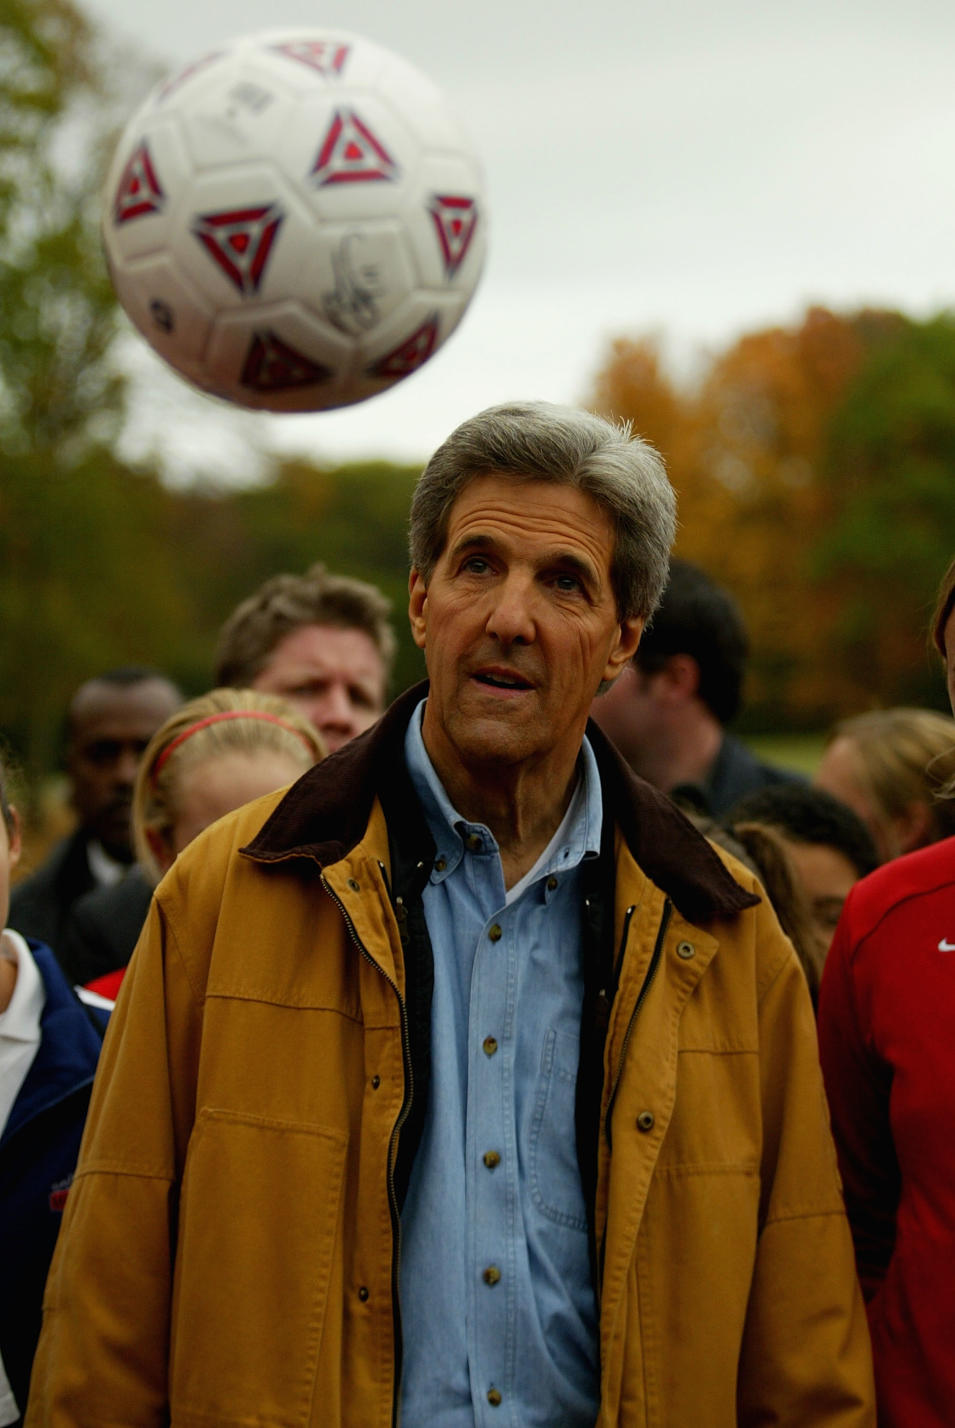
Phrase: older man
(465, 1084)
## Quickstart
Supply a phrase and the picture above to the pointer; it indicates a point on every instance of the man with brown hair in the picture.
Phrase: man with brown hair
(321, 640)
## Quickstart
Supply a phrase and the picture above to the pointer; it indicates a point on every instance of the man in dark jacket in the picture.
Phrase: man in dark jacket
(668, 711)
(111, 719)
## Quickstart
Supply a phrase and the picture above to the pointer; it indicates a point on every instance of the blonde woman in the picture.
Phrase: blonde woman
(214, 754)
(893, 768)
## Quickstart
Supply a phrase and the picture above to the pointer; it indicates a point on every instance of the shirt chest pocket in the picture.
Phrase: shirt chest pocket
(552, 1153)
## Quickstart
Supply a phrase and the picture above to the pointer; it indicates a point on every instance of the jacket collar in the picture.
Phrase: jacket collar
(324, 815)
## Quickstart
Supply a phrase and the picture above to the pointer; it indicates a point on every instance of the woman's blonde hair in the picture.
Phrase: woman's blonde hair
(905, 756)
(944, 601)
(224, 721)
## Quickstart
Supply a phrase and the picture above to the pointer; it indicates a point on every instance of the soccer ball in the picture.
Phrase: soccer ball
(295, 221)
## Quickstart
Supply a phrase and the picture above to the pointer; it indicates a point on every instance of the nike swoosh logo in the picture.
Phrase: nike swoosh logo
(946, 946)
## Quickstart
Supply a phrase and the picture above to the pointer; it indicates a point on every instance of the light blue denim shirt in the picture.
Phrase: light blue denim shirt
(498, 1314)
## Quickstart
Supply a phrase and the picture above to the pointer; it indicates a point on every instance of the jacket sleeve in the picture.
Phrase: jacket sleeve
(103, 1351)
(806, 1356)
(858, 1084)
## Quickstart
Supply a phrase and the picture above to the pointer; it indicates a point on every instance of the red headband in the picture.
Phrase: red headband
(217, 719)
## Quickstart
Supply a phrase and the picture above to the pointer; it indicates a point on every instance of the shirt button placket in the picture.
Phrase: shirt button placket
(492, 1273)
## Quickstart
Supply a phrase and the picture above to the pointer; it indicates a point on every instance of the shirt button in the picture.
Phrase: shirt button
(491, 1159)
(494, 933)
(440, 864)
(491, 1275)
(686, 950)
(494, 1397)
(551, 884)
(490, 1045)
(645, 1121)
(474, 842)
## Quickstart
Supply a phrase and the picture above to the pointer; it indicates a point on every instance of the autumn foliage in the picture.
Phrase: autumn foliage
(815, 467)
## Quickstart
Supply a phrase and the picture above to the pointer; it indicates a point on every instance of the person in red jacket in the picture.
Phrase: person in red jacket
(886, 1015)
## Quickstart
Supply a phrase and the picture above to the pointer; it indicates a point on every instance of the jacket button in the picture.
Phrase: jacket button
(363, 1294)
(686, 950)
(375, 1082)
(355, 887)
(645, 1121)
(494, 1397)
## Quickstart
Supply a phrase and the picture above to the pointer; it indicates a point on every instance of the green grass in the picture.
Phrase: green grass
(792, 751)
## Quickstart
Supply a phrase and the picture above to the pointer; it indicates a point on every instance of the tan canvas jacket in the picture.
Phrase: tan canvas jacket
(229, 1249)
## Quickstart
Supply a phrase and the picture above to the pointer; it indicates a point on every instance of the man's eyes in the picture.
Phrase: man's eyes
(568, 583)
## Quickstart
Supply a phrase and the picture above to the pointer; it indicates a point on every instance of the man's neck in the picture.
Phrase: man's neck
(682, 756)
(522, 807)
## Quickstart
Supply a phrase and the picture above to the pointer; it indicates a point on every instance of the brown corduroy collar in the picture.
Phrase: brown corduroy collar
(325, 814)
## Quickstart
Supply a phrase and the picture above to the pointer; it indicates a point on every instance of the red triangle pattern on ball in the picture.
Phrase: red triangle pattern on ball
(272, 365)
(410, 354)
(350, 153)
(455, 219)
(139, 191)
(240, 240)
(329, 59)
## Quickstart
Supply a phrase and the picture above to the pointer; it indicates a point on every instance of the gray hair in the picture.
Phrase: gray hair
(535, 441)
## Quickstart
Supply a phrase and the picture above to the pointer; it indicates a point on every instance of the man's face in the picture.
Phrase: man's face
(110, 727)
(631, 714)
(518, 624)
(9, 857)
(827, 876)
(948, 638)
(335, 677)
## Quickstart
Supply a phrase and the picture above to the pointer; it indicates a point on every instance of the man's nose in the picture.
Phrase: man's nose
(335, 710)
(511, 618)
(126, 765)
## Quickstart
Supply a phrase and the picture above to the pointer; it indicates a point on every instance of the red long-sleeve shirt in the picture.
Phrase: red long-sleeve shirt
(887, 1043)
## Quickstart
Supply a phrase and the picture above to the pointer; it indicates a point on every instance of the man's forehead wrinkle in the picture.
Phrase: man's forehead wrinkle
(584, 543)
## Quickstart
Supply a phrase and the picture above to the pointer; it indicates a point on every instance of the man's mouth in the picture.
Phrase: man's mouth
(501, 679)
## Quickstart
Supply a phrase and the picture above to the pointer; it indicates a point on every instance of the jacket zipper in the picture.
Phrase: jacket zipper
(393, 1143)
(641, 998)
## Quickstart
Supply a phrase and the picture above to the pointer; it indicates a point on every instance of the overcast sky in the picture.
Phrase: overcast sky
(694, 170)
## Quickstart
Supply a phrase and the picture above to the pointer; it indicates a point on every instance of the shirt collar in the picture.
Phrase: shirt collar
(105, 869)
(21, 1020)
(578, 836)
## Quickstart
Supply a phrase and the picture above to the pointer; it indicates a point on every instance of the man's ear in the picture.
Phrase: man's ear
(913, 827)
(681, 674)
(13, 838)
(625, 647)
(418, 608)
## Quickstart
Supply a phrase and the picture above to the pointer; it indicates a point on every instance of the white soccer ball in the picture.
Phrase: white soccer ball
(296, 221)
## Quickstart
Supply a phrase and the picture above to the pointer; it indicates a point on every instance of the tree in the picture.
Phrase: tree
(813, 465)
(67, 527)
(890, 472)
(58, 390)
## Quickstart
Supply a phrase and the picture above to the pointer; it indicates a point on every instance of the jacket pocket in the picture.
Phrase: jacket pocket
(259, 1219)
(554, 1173)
